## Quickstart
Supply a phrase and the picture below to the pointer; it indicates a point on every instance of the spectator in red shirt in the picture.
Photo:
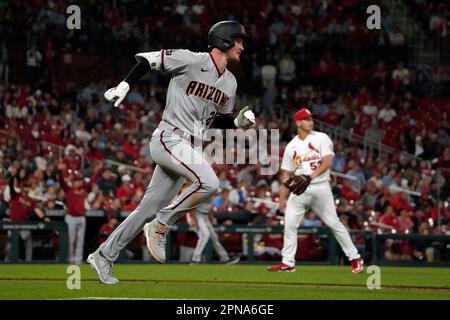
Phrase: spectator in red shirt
(389, 218)
(138, 182)
(21, 206)
(107, 124)
(131, 204)
(348, 193)
(76, 194)
(93, 152)
(53, 136)
(402, 248)
(72, 160)
(364, 96)
(131, 147)
(107, 228)
(379, 74)
(356, 74)
(126, 190)
(321, 72)
(405, 224)
(394, 249)
(399, 202)
(66, 137)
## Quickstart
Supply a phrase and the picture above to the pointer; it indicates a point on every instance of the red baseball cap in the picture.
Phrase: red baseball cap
(302, 114)
(112, 215)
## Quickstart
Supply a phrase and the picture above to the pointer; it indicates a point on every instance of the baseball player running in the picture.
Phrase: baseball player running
(205, 231)
(201, 94)
(306, 167)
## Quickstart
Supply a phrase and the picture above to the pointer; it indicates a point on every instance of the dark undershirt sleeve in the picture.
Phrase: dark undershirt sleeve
(138, 71)
(223, 121)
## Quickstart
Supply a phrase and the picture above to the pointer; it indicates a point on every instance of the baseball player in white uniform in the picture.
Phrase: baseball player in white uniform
(310, 155)
(201, 94)
(205, 231)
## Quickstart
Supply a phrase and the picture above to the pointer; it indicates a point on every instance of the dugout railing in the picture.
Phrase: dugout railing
(371, 244)
(13, 230)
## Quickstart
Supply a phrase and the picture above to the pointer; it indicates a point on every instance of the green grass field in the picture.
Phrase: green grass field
(181, 281)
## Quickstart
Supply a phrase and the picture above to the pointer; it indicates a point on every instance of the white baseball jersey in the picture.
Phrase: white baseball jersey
(197, 91)
(304, 156)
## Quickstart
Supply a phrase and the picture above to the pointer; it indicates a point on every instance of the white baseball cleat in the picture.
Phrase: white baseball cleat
(155, 233)
(103, 267)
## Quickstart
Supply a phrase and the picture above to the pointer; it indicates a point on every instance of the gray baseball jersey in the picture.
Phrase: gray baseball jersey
(196, 93)
(197, 90)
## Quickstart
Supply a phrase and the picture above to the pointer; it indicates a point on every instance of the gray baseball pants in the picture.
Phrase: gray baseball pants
(205, 231)
(77, 228)
(177, 160)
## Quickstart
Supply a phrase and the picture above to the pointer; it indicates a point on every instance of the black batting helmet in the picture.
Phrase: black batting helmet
(222, 35)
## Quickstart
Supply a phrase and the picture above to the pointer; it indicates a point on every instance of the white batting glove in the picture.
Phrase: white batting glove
(245, 118)
(118, 93)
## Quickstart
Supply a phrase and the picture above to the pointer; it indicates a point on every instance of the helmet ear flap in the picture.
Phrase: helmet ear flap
(221, 43)
(226, 44)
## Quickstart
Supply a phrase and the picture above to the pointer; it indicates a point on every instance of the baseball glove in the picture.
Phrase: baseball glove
(298, 184)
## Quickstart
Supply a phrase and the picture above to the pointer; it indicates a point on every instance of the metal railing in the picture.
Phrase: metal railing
(373, 248)
(14, 228)
(336, 133)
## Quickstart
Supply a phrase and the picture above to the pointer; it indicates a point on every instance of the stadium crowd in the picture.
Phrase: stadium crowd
(433, 15)
(311, 54)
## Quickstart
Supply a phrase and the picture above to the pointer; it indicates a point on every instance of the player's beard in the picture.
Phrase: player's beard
(234, 59)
